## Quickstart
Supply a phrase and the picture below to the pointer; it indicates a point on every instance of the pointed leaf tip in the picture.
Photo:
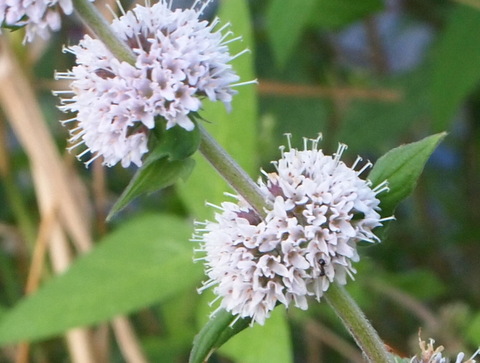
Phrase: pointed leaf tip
(402, 167)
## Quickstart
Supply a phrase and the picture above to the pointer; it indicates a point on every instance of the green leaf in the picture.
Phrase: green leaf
(145, 261)
(285, 22)
(176, 143)
(154, 175)
(455, 68)
(401, 167)
(213, 334)
(164, 165)
(268, 343)
(337, 13)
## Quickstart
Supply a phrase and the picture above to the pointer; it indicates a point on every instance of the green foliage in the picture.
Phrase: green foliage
(455, 68)
(337, 13)
(167, 163)
(115, 278)
(269, 342)
(401, 167)
(286, 20)
(387, 121)
(276, 348)
(284, 38)
(473, 331)
(213, 334)
(422, 284)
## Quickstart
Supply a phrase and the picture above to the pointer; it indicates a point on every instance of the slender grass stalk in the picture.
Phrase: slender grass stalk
(354, 320)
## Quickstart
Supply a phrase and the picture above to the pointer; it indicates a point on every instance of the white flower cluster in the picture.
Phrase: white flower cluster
(429, 354)
(39, 16)
(179, 60)
(319, 209)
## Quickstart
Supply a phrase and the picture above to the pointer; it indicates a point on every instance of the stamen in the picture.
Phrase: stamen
(114, 14)
(367, 165)
(254, 81)
(214, 206)
(92, 160)
(382, 187)
(340, 150)
(63, 122)
(246, 50)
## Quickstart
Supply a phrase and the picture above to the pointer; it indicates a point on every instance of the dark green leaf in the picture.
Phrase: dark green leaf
(143, 262)
(455, 66)
(164, 165)
(401, 167)
(268, 343)
(216, 332)
(176, 143)
(336, 13)
(285, 22)
(152, 176)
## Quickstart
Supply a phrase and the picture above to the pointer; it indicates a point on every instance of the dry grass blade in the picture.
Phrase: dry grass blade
(56, 189)
(19, 103)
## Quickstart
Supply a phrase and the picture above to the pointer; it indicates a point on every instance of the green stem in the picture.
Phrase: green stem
(97, 23)
(357, 324)
(341, 302)
(234, 175)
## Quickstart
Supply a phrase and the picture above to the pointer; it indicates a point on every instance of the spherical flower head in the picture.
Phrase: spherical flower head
(319, 209)
(180, 60)
(38, 16)
(429, 354)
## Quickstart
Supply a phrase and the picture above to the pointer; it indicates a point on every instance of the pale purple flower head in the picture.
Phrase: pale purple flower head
(430, 354)
(180, 60)
(319, 209)
(38, 16)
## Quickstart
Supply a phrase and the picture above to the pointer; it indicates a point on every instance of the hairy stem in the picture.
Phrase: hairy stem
(228, 168)
(97, 23)
(357, 324)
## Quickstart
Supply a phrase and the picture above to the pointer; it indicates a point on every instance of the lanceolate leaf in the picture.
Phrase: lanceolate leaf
(219, 330)
(165, 164)
(145, 261)
(152, 176)
(401, 167)
(213, 334)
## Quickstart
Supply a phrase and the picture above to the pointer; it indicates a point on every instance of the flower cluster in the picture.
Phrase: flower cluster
(430, 355)
(319, 208)
(39, 16)
(180, 59)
